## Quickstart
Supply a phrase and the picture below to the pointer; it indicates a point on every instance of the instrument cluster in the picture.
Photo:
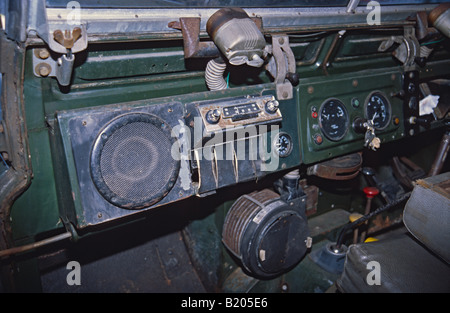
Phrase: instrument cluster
(334, 119)
(330, 115)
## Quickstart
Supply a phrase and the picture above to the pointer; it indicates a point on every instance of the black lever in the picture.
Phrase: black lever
(358, 125)
(294, 78)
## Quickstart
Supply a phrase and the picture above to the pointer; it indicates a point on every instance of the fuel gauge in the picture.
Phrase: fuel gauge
(333, 119)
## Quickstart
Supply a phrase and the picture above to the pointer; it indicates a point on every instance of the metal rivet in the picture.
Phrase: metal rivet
(42, 53)
(43, 69)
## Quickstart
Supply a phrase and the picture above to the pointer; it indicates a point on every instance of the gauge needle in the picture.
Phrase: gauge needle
(374, 116)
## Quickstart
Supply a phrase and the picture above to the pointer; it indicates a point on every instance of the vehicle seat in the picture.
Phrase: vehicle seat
(416, 260)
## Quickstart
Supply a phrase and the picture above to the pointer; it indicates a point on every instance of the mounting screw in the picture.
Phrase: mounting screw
(43, 69)
(41, 53)
(213, 116)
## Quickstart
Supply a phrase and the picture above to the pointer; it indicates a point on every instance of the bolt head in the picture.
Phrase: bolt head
(43, 69)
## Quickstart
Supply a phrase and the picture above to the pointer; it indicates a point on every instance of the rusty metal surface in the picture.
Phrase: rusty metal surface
(193, 47)
(435, 183)
(342, 168)
(67, 39)
(406, 171)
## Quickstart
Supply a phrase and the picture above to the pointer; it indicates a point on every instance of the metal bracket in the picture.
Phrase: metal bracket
(193, 47)
(44, 65)
(53, 34)
(408, 49)
(282, 66)
(61, 38)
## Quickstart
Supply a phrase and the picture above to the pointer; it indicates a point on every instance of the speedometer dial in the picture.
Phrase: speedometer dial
(333, 119)
(378, 109)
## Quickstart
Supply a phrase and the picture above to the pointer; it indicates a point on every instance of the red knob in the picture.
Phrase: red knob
(371, 192)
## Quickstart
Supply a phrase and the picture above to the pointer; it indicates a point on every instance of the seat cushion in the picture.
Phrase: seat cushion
(405, 265)
(427, 213)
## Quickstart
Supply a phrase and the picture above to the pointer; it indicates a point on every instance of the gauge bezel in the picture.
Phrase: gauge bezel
(366, 102)
(347, 119)
(291, 146)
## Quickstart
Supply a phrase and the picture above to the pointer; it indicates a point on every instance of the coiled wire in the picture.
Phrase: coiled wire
(214, 75)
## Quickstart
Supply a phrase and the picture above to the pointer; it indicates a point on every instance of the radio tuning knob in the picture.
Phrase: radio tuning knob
(213, 116)
(272, 106)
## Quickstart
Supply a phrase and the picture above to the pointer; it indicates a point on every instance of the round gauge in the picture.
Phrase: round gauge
(283, 144)
(333, 119)
(378, 109)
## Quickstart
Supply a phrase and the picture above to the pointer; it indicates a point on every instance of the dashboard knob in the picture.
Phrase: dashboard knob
(358, 125)
(213, 116)
(272, 106)
(371, 192)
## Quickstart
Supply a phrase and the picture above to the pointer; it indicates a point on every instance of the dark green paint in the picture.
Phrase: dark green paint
(345, 88)
(155, 72)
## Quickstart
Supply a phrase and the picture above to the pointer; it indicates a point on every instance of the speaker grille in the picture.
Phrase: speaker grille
(241, 215)
(131, 161)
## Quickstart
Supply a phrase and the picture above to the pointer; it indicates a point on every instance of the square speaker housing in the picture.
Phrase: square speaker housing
(119, 160)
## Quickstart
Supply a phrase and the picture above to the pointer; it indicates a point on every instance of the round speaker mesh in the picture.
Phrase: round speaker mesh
(131, 161)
